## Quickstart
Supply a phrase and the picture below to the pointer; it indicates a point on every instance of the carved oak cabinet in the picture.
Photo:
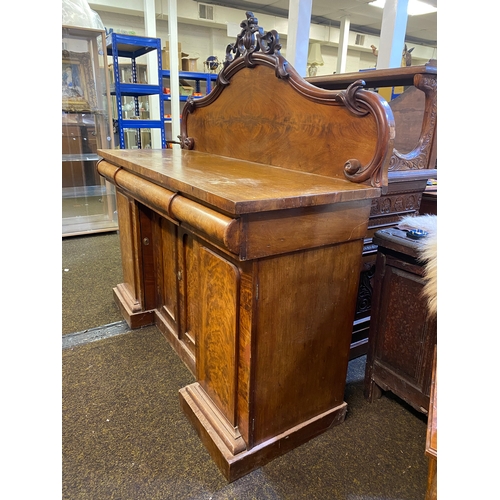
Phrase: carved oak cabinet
(402, 333)
(244, 247)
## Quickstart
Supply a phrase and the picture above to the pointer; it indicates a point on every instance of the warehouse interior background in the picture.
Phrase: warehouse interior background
(205, 28)
(469, 180)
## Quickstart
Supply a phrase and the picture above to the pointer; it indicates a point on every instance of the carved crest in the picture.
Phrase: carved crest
(250, 41)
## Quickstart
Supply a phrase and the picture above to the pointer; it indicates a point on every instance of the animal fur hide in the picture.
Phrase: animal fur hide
(428, 254)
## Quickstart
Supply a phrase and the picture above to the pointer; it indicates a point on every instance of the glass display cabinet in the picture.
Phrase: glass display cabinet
(88, 200)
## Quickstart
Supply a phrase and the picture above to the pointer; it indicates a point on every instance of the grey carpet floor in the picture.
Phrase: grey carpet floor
(91, 267)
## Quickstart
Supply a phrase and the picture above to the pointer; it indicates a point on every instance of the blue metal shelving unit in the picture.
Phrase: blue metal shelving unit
(132, 47)
(208, 78)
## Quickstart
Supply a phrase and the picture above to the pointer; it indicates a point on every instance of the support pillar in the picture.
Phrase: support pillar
(174, 71)
(392, 34)
(345, 25)
(297, 45)
(152, 62)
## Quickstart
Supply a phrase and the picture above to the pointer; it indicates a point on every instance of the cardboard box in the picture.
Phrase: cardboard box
(165, 59)
(165, 56)
(167, 46)
(185, 88)
(189, 64)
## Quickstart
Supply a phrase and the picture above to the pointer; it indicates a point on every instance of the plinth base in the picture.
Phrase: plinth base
(131, 310)
(215, 437)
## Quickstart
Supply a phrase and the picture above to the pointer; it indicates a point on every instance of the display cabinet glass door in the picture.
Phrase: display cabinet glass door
(88, 201)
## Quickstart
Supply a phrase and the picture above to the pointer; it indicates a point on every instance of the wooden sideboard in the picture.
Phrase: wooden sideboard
(412, 163)
(244, 247)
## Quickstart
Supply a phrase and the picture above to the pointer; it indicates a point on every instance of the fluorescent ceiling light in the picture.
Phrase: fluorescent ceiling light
(415, 7)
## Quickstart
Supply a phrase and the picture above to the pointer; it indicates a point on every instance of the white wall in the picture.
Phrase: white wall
(197, 41)
(201, 38)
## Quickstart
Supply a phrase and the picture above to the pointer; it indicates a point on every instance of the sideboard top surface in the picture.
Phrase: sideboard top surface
(236, 186)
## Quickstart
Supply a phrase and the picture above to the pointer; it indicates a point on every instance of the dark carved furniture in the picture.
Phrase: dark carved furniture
(429, 201)
(244, 247)
(431, 437)
(402, 333)
(413, 162)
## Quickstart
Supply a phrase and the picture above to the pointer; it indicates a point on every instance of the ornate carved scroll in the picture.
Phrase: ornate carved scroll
(360, 103)
(365, 291)
(349, 99)
(251, 40)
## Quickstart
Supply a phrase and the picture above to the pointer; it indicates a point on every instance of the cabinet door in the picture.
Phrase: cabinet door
(216, 367)
(168, 273)
(209, 300)
(190, 298)
(403, 333)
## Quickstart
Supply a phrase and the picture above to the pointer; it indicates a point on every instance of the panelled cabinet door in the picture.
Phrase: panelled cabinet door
(178, 288)
(208, 295)
(190, 296)
(168, 274)
(406, 338)
(217, 342)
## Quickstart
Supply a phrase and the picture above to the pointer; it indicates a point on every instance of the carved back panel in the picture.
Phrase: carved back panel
(261, 110)
(408, 110)
(415, 112)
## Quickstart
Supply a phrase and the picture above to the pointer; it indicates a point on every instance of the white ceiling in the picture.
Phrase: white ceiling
(364, 18)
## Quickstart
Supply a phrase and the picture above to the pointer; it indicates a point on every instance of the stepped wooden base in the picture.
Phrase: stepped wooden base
(179, 347)
(131, 311)
(218, 438)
